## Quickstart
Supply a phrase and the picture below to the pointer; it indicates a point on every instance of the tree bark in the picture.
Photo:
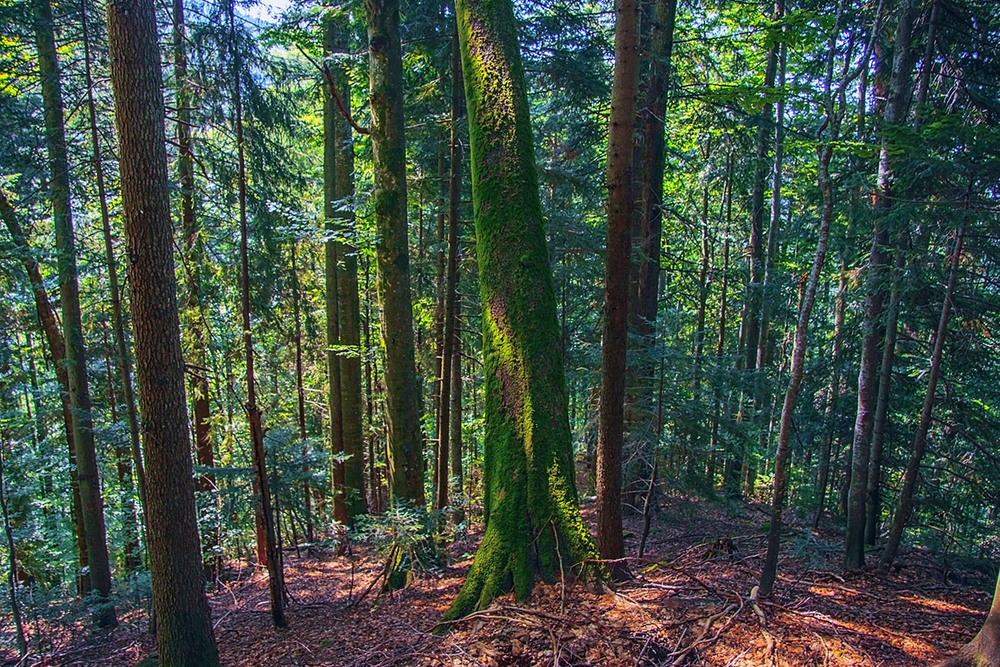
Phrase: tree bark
(184, 633)
(533, 523)
(122, 357)
(348, 300)
(445, 444)
(91, 502)
(898, 100)
(402, 393)
(611, 426)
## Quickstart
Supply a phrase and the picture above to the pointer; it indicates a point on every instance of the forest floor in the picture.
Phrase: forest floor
(690, 604)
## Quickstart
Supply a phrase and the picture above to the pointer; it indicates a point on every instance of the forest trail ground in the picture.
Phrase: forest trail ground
(689, 605)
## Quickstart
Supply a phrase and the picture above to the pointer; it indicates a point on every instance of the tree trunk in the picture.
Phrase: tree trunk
(57, 354)
(348, 302)
(117, 323)
(833, 394)
(611, 426)
(184, 633)
(898, 99)
(402, 393)
(795, 376)
(773, 225)
(906, 494)
(300, 402)
(455, 413)
(332, 304)
(533, 523)
(91, 503)
(720, 341)
(879, 426)
(374, 478)
(193, 246)
(750, 318)
(265, 512)
(450, 288)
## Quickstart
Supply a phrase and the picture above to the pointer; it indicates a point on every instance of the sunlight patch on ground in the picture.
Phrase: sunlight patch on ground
(939, 605)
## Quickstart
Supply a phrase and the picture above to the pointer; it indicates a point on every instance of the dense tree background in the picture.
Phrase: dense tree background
(787, 125)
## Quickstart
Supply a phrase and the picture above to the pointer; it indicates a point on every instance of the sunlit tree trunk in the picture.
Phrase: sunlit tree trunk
(184, 632)
(533, 523)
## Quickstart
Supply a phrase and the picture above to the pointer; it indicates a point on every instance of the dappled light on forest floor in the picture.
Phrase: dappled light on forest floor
(691, 603)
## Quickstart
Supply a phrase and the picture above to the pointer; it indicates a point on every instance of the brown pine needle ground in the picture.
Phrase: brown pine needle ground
(692, 603)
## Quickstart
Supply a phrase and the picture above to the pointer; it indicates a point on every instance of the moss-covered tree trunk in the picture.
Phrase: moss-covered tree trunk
(533, 523)
(184, 633)
(91, 501)
(402, 392)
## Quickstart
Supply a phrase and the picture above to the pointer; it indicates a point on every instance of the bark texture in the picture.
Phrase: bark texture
(402, 393)
(533, 523)
(898, 100)
(611, 424)
(184, 633)
(984, 649)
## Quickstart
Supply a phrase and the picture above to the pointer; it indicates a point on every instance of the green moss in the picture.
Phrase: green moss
(533, 524)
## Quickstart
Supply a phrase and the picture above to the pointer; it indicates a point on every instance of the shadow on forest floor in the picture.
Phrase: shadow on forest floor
(689, 605)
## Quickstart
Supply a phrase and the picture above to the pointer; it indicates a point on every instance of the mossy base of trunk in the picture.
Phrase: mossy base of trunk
(510, 560)
(400, 570)
(403, 562)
